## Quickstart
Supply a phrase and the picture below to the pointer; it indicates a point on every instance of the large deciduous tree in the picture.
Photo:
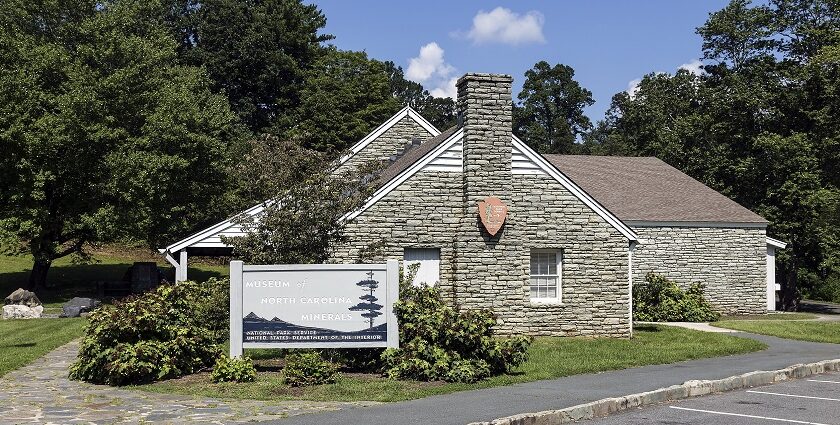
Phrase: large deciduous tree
(104, 135)
(259, 52)
(550, 116)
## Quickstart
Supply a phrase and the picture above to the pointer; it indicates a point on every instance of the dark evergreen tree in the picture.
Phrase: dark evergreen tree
(368, 303)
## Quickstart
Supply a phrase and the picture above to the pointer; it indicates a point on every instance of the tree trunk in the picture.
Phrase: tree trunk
(789, 298)
(38, 276)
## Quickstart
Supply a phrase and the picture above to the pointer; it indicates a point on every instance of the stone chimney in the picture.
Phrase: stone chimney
(484, 109)
(487, 267)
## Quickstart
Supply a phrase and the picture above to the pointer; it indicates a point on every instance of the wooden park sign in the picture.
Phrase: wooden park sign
(313, 306)
(492, 212)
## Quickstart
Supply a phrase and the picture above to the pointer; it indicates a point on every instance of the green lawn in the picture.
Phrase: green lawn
(802, 330)
(67, 280)
(549, 358)
(771, 316)
(22, 341)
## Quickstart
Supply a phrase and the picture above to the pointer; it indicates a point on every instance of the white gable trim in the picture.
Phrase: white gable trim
(776, 243)
(211, 231)
(574, 189)
(373, 135)
(406, 174)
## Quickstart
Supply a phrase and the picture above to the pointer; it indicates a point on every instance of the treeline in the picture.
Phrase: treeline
(121, 119)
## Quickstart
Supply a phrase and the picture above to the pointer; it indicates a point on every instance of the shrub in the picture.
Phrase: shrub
(171, 331)
(229, 369)
(439, 343)
(661, 300)
(308, 368)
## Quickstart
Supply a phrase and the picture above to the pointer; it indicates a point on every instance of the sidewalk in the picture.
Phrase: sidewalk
(488, 404)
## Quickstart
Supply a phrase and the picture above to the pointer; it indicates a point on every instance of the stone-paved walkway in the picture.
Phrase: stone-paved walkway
(41, 393)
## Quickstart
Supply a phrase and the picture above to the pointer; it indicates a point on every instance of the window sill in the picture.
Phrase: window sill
(546, 301)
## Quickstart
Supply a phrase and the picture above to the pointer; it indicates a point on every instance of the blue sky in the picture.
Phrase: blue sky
(608, 43)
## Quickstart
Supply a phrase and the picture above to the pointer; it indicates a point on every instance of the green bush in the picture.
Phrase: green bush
(171, 331)
(439, 343)
(661, 300)
(308, 368)
(229, 369)
(828, 290)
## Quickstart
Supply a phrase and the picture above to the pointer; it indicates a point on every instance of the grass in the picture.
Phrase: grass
(67, 279)
(771, 316)
(814, 331)
(22, 341)
(548, 358)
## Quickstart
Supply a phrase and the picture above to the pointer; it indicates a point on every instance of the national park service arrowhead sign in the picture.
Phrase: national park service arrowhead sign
(492, 212)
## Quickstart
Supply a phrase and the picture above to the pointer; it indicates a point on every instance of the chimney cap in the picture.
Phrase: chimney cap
(484, 77)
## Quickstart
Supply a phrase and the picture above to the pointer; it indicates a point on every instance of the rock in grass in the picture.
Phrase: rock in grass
(78, 305)
(23, 297)
(18, 311)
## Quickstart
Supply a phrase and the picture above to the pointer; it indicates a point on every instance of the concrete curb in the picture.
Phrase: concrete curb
(688, 389)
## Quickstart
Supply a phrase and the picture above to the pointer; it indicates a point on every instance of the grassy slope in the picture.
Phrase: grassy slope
(549, 358)
(22, 341)
(802, 330)
(67, 280)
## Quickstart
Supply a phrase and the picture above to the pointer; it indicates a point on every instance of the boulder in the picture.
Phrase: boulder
(19, 311)
(23, 297)
(76, 306)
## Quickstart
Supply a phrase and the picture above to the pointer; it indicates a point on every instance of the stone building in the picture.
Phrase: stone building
(551, 243)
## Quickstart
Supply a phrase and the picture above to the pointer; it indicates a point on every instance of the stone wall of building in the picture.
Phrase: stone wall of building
(424, 212)
(388, 143)
(731, 263)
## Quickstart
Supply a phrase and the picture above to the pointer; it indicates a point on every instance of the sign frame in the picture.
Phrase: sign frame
(238, 270)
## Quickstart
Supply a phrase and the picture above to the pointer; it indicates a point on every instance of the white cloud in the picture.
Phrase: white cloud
(446, 89)
(428, 64)
(430, 69)
(633, 87)
(502, 25)
(695, 67)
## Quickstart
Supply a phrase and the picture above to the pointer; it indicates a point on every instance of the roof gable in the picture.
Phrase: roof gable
(390, 122)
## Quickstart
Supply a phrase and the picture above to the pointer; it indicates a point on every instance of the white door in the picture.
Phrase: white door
(429, 260)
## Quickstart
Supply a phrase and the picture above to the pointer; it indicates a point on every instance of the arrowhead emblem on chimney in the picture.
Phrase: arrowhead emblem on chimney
(492, 212)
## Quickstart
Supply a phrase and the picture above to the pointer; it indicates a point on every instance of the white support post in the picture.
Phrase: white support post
(392, 273)
(235, 309)
(181, 274)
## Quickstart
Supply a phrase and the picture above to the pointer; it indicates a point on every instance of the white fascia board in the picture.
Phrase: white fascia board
(776, 243)
(210, 231)
(405, 175)
(566, 182)
(390, 122)
(717, 224)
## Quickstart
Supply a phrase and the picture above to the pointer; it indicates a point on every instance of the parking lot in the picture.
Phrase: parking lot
(814, 400)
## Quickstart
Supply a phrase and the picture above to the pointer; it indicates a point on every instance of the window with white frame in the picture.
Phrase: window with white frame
(546, 275)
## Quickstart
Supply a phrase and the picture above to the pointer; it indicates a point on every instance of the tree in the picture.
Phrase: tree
(550, 116)
(303, 203)
(344, 96)
(104, 135)
(257, 51)
(440, 111)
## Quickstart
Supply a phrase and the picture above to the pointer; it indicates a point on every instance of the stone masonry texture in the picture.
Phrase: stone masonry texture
(435, 209)
(731, 262)
(388, 143)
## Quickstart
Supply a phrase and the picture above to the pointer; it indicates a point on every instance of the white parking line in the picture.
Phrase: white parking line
(794, 395)
(747, 416)
(820, 380)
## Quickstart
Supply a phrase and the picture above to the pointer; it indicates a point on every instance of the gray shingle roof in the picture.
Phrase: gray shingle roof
(648, 189)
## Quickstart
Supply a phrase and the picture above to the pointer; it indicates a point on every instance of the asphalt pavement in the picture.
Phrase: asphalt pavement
(813, 400)
(491, 403)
